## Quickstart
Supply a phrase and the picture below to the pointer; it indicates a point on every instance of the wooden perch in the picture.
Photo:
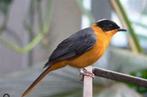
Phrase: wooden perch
(119, 77)
(87, 84)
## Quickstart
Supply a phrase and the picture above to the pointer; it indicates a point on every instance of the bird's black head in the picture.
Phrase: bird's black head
(108, 25)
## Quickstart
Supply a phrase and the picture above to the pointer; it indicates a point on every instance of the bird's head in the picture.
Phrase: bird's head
(108, 27)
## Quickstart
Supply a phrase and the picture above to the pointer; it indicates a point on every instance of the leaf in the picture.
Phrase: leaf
(139, 73)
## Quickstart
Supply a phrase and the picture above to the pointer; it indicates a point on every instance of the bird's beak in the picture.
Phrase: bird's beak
(122, 29)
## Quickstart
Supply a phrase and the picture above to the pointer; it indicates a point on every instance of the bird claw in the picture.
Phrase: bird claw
(84, 72)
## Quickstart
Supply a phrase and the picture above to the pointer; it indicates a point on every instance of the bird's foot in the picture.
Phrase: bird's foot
(84, 72)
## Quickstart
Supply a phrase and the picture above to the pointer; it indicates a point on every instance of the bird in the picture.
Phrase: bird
(81, 49)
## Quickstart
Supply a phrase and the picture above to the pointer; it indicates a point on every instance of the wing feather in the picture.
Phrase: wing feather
(73, 46)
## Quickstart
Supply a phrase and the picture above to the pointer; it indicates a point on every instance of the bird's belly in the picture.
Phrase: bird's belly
(87, 58)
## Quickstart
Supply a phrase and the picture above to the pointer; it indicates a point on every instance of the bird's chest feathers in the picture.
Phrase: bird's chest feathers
(93, 54)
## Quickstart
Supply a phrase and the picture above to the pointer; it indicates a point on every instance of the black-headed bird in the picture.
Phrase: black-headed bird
(81, 49)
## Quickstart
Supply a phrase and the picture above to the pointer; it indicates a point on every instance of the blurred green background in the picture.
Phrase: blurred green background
(31, 29)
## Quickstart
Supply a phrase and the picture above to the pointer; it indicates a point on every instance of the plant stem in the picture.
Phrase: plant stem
(126, 22)
(34, 41)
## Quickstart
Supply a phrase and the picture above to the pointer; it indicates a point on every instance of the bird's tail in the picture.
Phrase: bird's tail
(41, 76)
(46, 65)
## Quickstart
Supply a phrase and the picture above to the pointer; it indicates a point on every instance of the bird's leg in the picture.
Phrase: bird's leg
(84, 72)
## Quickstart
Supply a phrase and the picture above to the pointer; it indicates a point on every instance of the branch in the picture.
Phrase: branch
(120, 77)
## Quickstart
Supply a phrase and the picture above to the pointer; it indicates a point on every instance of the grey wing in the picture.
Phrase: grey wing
(73, 46)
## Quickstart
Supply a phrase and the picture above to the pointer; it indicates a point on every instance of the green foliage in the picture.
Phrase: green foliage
(143, 74)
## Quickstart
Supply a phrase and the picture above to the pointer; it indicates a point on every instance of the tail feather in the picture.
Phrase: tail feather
(42, 75)
(46, 65)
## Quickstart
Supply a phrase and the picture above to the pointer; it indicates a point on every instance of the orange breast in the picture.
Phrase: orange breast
(93, 54)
